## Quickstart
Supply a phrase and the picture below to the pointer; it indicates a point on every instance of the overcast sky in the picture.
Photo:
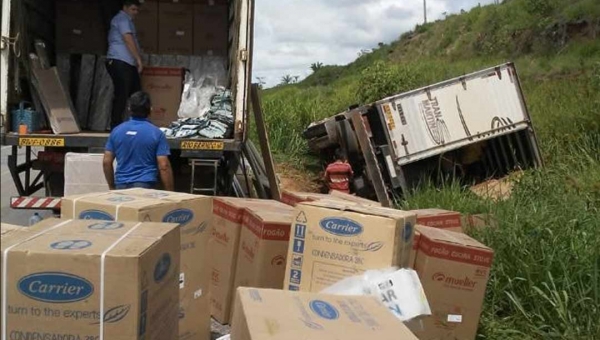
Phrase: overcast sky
(290, 35)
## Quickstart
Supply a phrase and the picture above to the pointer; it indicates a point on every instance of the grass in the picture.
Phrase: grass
(545, 282)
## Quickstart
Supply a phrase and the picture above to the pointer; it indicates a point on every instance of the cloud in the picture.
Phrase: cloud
(290, 35)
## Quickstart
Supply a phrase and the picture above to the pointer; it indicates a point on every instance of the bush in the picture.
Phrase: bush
(381, 80)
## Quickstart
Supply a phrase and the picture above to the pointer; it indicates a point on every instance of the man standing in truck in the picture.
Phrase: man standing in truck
(339, 173)
(141, 150)
(124, 61)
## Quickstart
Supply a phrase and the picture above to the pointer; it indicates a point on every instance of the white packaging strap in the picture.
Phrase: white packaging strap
(76, 200)
(102, 275)
(5, 274)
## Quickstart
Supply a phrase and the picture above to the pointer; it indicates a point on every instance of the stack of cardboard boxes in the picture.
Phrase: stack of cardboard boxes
(192, 213)
(125, 254)
(333, 240)
(167, 27)
(247, 248)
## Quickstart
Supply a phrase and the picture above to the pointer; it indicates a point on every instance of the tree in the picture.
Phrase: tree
(287, 79)
(261, 82)
(316, 66)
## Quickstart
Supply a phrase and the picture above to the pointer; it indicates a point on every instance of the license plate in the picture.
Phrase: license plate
(200, 145)
(54, 142)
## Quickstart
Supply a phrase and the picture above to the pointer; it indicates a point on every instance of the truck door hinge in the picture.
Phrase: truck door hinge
(243, 54)
(7, 42)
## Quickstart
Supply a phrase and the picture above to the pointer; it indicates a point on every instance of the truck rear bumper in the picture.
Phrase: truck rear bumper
(98, 140)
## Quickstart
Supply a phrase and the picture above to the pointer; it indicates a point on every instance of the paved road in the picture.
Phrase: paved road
(8, 215)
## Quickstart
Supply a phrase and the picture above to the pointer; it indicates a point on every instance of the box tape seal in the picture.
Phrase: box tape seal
(5, 274)
(103, 272)
(117, 207)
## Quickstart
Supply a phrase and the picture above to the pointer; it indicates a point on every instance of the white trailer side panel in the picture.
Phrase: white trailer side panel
(449, 115)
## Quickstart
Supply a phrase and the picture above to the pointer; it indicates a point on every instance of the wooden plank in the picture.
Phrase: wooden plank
(258, 185)
(264, 143)
(369, 155)
(56, 103)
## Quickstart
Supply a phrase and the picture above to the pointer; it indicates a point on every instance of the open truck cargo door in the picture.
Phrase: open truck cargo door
(241, 62)
(6, 51)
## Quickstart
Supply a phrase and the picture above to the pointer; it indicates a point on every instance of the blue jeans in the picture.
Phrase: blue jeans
(145, 185)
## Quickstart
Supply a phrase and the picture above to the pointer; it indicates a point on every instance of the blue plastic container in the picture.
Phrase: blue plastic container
(27, 116)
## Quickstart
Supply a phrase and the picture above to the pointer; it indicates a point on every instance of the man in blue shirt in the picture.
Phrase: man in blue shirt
(124, 62)
(141, 150)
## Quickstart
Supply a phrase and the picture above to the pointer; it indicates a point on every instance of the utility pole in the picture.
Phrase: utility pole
(425, 11)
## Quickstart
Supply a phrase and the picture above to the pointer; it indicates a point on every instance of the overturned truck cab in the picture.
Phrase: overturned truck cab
(474, 127)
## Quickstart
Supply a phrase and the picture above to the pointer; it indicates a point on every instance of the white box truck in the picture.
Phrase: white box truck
(25, 21)
(475, 126)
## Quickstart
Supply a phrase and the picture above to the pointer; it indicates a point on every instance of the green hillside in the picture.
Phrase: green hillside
(545, 282)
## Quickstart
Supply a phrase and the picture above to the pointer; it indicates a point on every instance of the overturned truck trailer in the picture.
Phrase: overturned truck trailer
(475, 127)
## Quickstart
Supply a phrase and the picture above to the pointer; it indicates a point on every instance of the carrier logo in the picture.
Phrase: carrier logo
(55, 287)
(432, 116)
(453, 281)
(95, 215)
(161, 269)
(408, 230)
(156, 194)
(115, 314)
(121, 199)
(106, 226)
(278, 260)
(372, 246)
(71, 244)
(179, 216)
(341, 226)
(324, 309)
(195, 230)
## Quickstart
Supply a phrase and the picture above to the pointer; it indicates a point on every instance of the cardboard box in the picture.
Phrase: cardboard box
(354, 198)
(164, 85)
(224, 245)
(211, 29)
(80, 28)
(6, 228)
(414, 248)
(63, 275)
(454, 271)
(176, 28)
(263, 314)
(193, 213)
(479, 221)
(293, 198)
(263, 247)
(146, 27)
(332, 241)
(439, 218)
